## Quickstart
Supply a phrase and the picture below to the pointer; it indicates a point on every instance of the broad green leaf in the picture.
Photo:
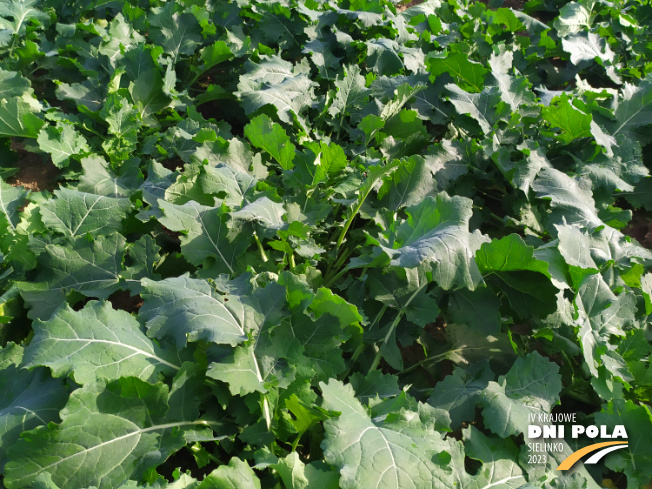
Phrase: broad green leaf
(267, 214)
(571, 201)
(274, 81)
(531, 386)
(436, 237)
(352, 94)
(11, 200)
(96, 344)
(601, 315)
(633, 112)
(509, 265)
(27, 399)
(100, 179)
(176, 33)
(480, 106)
(575, 17)
(75, 213)
(270, 359)
(469, 74)
(62, 142)
(236, 475)
(395, 453)
(207, 233)
(587, 48)
(13, 84)
(573, 123)
(188, 309)
(91, 268)
(105, 438)
(272, 138)
(498, 457)
(409, 184)
(509, 254)
(634, 460)
(297, 475)
(18, 117)
(22, 13)
(459, 392)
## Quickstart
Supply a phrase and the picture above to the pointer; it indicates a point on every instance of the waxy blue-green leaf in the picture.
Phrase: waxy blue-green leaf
(633, 112)
(276, 82)
(18, 117)
(396, 453)
(100, 179)
(480, 106)
(27, 399)
(436, 237)
(531, 386)
(106, 437)
(176, 33)
(91, 268)
(236, 475)
(498, 457)
(206, 233)
(186, 309)
(11, 200)
(62, 142)
(97, 344)
(73, 213)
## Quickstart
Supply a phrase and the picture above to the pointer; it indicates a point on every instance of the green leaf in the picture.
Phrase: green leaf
(480, 106)
(397, 453)
(633, 112)
(469, 74)
(90, 267)
(11, 201)
(27, 399)
(96, 344)
(272, 138)
(62, 142)
(436, 237)
(498, 461)
(351, 95)
(575, 17)
(267, 214)
(276, 82)
(458, 393)
(188, 309)
(100, 179)
(573, 123)
(532, 385)
(297, 475)
(105, 438)
(176, 33)
(207, 233)
(236, 475)
(587, 47)
(634, 460)
(75, 213)
(18, 117)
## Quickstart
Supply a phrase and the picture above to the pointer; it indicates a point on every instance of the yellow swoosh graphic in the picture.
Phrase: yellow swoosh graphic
(575, 456)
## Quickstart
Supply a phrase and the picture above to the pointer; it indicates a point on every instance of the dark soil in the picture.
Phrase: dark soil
(34, 172)
(640, 228)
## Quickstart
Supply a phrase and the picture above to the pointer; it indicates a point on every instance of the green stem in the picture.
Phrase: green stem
(397, 319)
(263, 255)
(362, 346)
(425, 361)
(348, 222)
